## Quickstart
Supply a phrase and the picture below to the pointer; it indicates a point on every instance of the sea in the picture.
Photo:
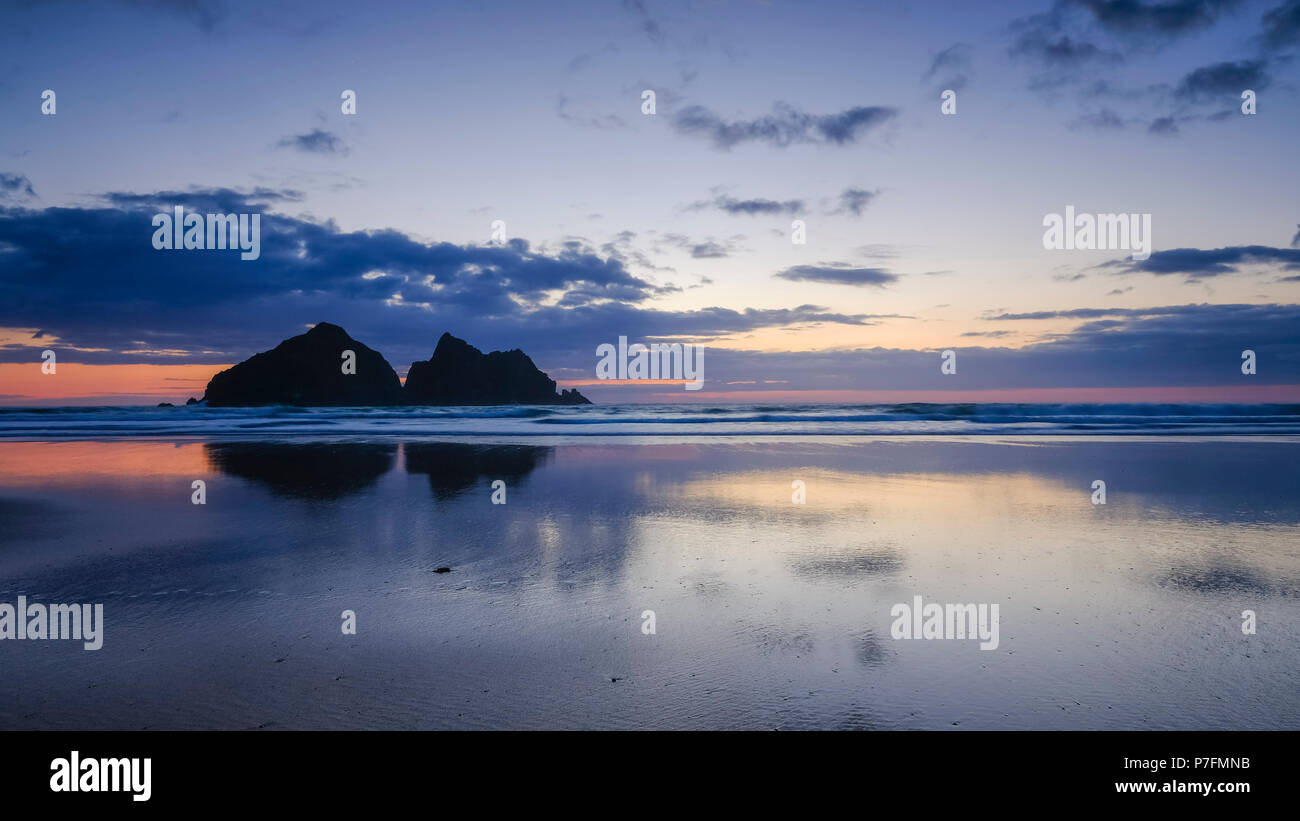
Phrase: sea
(962, 419)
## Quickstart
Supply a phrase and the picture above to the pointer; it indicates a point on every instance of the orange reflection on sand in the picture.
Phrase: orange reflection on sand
(46, 461)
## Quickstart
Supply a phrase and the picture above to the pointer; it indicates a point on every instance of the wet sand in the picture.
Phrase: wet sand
(768, 614)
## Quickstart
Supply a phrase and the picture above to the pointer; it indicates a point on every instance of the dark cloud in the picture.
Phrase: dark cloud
(316, 141)
(1164, 18)
(1163, 127)
(90, 277)
(1191, 309)
(15, 187)
(750, 207)
(839, 275)
(1282, 26)
(1189, 345)
(784, 127)
(1075, 37)
(1058, 50)
(216, 200)
(1041, 39)
(1062, 38)
(1198, 263)
(1295, 241)
(1213, 82)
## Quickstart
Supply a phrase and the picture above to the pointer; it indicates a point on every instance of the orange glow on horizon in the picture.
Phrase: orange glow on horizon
(23, 384)
(103, 384)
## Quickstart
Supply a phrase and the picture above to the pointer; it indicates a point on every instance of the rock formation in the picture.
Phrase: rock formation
(308, 370)
(460, 374)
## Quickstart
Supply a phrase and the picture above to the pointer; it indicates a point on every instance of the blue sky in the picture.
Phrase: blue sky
(924, 230)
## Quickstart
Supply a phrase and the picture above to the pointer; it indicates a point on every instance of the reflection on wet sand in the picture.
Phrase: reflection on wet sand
(324, 471)
(455, 467)
(1223, 576)
(333, 470)
(769, 613)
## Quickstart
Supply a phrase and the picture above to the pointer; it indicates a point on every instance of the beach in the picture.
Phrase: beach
(766, 613)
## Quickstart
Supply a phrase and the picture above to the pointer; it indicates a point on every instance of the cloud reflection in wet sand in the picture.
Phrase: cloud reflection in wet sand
(769, 613)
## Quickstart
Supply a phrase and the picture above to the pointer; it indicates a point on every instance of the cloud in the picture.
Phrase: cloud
(222, 200)
(885, 250)
(1058, 51)
(1075, 38)
(15, 187)
(1282, 26)
(1103, 120)
(316, 141)
(1190, 309)
(851, 201)
(953, 64)
(1172, 17)
(708, 248)
(648, 25)
(1041, 39)
(839, 274)
(1295, 241)
(1198, 263)
(606, 121)
(784, 127)
(855, 200)
(585, 59)
(1178, 346)
(90, 277)
(1213, 82)
(1163, 127)
(202, 13)
(1075, 35)
(750, 207)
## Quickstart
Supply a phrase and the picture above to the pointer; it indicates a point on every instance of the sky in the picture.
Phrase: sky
(924, 230)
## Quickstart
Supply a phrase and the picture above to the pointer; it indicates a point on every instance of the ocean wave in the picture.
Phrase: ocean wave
(651, 420)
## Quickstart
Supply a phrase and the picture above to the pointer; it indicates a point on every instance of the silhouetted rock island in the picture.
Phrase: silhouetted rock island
(312, 369)
(308, 370)
(460, 374)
